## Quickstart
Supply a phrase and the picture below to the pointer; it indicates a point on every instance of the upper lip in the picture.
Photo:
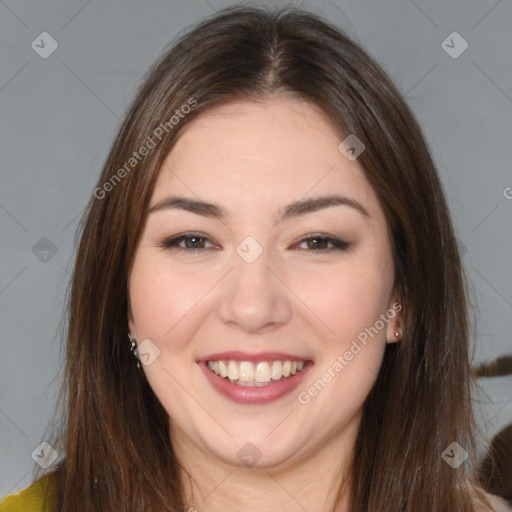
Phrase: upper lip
(237, 355)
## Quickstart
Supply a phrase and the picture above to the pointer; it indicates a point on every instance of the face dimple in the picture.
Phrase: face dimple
(258, 286)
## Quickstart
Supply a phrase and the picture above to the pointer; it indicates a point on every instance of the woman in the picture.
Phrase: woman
(270, 237)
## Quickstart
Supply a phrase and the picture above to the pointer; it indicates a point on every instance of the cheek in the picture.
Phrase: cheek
(347, 299)
(350, 304)
(163, 310)
(161, 297)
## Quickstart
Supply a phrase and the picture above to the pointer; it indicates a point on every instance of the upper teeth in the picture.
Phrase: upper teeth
(263, 371)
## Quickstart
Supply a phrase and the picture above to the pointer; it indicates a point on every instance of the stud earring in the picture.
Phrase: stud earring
(133, 347)
(397, 333)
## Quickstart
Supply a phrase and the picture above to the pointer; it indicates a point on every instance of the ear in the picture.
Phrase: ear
(395, 324)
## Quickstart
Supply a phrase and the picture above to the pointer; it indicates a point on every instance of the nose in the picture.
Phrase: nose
(255, 297)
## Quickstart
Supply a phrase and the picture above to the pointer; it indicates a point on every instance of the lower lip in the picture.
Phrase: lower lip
(254, 395)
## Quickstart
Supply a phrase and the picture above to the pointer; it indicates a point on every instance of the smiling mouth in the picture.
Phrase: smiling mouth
(263, 373)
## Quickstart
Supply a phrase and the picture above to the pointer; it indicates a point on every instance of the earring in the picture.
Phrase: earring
(133, 347)
(397, 333)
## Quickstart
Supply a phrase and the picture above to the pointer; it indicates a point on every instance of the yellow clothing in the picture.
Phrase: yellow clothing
(34, 498)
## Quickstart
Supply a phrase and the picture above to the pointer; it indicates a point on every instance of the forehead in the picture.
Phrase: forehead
(255, 154)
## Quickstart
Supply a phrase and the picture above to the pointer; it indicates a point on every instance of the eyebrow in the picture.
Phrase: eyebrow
(294, 209)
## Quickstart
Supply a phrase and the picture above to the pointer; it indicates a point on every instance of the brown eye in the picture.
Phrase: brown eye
(192, 242)
(321, 243)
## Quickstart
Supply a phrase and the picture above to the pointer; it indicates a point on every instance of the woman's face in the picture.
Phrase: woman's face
(265, 272)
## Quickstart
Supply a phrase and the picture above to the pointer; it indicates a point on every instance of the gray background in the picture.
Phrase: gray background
(58, 117)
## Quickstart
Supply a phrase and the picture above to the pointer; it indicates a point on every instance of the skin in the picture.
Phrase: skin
(253, 159)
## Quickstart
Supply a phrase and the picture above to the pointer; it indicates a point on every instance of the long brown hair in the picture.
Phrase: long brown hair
(115, 433)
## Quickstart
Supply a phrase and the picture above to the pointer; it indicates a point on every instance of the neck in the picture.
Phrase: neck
(310, 482)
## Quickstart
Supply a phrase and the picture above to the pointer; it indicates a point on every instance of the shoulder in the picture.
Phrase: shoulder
(34, 498)
(497, 504)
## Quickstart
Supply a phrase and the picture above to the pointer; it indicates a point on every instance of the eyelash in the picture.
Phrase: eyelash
(172, 243)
